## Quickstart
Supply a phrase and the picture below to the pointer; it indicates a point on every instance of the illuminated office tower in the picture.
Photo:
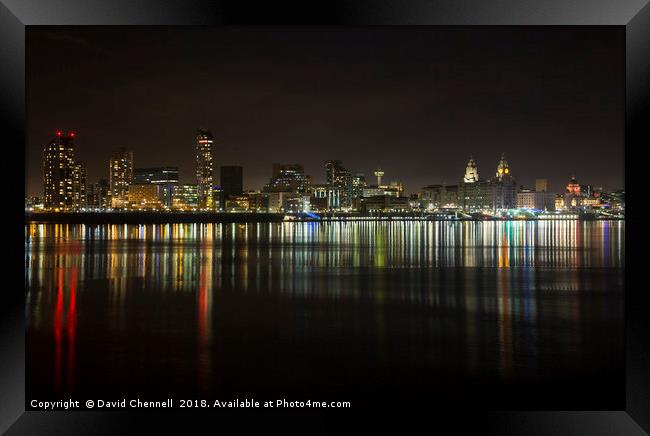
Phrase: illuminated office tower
(165, 178)
(289, 178)
(204, 168)
(121, 176)
(339, 177)
(79, 185)
(358, 183)
(58, 172)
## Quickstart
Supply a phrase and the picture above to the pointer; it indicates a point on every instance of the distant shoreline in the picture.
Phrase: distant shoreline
(228, 217)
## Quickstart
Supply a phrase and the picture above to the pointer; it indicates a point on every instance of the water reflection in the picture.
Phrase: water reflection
(492, 289)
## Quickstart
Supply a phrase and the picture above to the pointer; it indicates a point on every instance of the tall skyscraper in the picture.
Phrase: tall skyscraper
(121, 176)
(58, 172)
(231, 180)
(204, 168)
(340, 178)
(79, 185)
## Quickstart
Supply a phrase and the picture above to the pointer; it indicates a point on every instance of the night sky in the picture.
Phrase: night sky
(415, 101)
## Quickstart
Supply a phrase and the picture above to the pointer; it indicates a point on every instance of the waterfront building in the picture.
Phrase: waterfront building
(474, 194)
(358, 183)
(541, 200)
(289, 178)
(121, 176)
(165, 178)
(185, 197)
(325, 197)
(471, 172)
(145, 196)
(79, 185)
(504, 187)
(97, 194)
(258, 201)
(237, 203)
(232, 181)
(217, 197)
(572, 195)
(204, 168)
(340, 178)
(384, 203)
(58, 172)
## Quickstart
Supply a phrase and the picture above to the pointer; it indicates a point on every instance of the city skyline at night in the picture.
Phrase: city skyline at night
(415, 102)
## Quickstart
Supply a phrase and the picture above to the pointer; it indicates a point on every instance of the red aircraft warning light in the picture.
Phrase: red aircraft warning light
(58, 133)
(72, 134)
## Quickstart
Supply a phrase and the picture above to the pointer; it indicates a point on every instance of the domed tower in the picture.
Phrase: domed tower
(573, 187)
(471, 172)
(503, 170)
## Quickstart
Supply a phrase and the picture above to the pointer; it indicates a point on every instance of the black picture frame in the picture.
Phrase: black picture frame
(633, 15)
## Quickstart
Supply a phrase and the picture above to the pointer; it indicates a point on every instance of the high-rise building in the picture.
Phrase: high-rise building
(204, 168)
(340, 178)
(97, 194)
(79, 184)
(289, 178)
(232, 180)
(121, 176)
(165, 178)
(58, 172)
(358, 183)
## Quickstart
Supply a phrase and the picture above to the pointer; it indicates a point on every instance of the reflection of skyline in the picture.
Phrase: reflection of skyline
(515, 274)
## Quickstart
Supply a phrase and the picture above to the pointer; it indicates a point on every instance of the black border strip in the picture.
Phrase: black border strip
(633, 14)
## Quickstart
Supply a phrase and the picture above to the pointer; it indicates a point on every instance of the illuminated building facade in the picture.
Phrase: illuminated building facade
(165, 178)
(237, 203)
(325, 197)
(204, 168)
(384, 203)
(289, 178)
(121, 176)
(337, 176)
(471, 172)
(573, 195)
(79, 185)
(97, 194)
(540, 200)
(358, 183)
(185, 197)
(58, 172)
(145, 196)
(504, 187)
